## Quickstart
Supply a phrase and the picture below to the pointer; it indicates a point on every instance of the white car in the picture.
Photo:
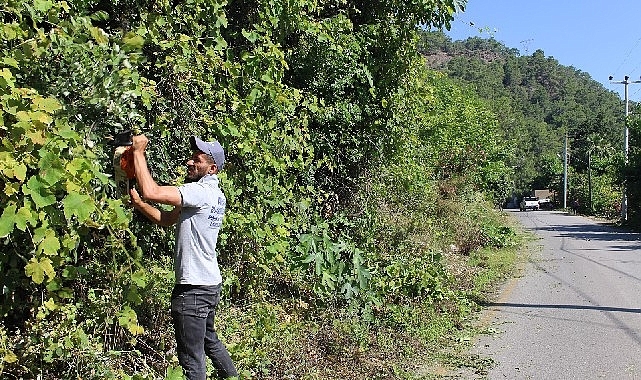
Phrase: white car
(529, 203)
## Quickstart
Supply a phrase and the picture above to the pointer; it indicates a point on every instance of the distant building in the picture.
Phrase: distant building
(543, 194)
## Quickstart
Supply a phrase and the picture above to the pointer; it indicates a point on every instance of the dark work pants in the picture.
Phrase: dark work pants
(193, 308)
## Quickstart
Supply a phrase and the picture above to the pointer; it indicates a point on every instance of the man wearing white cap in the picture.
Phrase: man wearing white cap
(199, 207)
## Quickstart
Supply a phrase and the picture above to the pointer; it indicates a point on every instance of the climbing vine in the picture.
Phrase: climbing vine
(305, 96)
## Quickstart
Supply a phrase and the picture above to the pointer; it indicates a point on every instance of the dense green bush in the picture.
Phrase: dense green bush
(629, 174)
(338, 141)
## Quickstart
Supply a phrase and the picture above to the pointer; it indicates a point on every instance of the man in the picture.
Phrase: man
(198, 211)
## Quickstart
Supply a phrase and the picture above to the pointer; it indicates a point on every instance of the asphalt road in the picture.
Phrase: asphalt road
(575, 313)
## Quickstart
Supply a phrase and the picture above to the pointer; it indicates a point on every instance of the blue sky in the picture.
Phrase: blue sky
(601, 38)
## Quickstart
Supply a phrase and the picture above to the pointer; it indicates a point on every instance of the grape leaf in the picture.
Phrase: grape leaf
(39, 193)
(38, 269)
(7, 220)
(79, 205)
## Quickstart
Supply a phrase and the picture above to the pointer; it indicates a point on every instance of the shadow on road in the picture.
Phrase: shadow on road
(572, 307)
(595, 232)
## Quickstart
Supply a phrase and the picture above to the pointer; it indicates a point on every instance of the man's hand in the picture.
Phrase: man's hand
(139, 143)
(149, 189)
(156, 215)
(135, 197)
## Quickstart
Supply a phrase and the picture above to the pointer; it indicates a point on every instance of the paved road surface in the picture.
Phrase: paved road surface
(576, 311)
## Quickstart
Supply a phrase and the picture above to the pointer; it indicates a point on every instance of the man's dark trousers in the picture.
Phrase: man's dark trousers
(193, 308)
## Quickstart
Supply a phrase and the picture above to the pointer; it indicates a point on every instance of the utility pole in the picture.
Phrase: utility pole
(565, 172)
(590, 179)
(624, 199)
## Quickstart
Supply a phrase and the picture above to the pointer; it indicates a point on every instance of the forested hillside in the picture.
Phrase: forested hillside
(539, 102)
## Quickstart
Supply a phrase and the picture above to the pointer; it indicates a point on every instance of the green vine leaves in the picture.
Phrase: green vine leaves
(49, 180)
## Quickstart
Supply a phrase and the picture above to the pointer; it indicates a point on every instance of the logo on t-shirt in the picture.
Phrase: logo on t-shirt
(216, 213)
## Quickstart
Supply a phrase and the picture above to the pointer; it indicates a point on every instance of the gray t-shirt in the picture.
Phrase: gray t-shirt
(203, 208)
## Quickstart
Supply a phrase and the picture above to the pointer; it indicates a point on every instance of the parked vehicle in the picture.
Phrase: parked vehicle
(545, 204)
(529, 203)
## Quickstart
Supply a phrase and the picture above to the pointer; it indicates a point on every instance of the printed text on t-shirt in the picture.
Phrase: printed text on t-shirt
(216, 213)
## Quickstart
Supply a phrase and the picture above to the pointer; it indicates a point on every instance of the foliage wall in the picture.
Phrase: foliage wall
(630, 172)
(309, 100)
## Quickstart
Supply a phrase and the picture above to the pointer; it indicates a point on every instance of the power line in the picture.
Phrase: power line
(526, 45)
(638, 64)
(625, 60)
(616, 72)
